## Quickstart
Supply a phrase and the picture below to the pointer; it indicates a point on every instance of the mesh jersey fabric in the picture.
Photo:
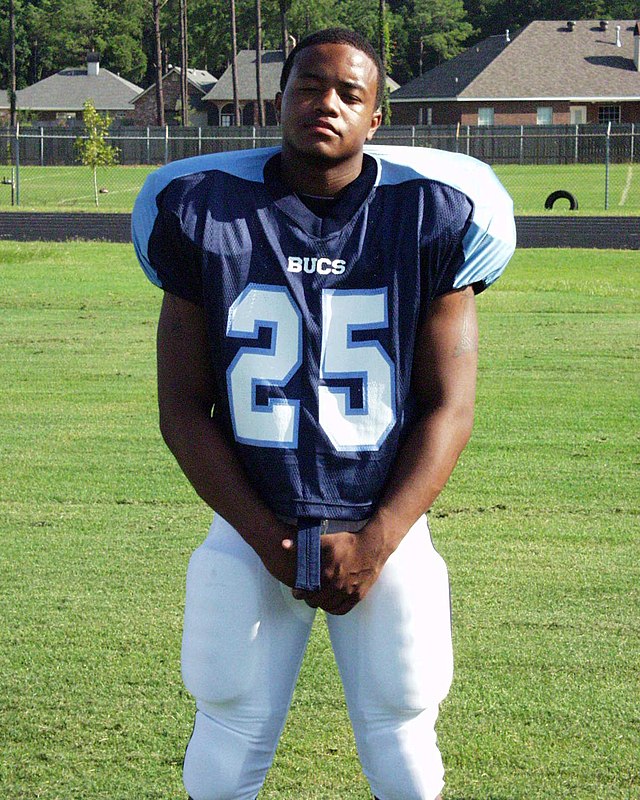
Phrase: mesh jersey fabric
(312, 320)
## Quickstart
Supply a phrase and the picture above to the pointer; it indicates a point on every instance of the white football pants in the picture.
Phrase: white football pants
(244, 639)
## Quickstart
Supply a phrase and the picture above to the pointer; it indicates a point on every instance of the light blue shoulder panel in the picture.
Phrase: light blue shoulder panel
(491, 238)
(248, 164)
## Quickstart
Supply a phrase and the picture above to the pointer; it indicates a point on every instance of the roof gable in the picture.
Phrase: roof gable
(549, 60)
(451, 77)
(271, 62)
(546, 60)
(201, 79)
(68, 90)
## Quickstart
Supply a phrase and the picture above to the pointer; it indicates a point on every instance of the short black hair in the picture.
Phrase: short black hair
(337, 36)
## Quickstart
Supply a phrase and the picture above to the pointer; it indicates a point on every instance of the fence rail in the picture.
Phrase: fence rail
(523, 144)
(613, 148)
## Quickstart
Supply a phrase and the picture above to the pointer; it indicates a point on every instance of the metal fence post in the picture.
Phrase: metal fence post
(413, 136)
(17, 160)
(41, 146)
(633, 135)
(522, 144)
(253, 137)
(148, 147)
(607, 149)
(166, 144)
(199, 141)
(468, 139)
(575, 150)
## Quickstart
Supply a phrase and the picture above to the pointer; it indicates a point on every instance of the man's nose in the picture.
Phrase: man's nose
(328, 101)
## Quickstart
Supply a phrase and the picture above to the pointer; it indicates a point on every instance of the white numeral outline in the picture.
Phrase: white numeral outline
(276, 424)
(353, 429)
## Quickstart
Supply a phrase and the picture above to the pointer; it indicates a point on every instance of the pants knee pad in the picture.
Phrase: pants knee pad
(215, 764)
(220, 655)
(403, 762)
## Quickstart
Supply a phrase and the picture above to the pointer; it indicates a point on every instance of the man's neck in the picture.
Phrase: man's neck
(317, 177)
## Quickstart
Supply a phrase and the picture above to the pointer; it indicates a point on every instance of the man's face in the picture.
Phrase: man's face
(328, 108)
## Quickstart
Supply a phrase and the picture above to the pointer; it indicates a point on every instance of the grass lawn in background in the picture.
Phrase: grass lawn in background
(71, 188)
(538, 525)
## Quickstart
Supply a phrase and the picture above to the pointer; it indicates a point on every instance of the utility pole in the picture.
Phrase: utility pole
(12, 67)
(234, 64)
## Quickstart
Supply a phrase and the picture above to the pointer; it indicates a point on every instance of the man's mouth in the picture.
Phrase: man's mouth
(320, 126)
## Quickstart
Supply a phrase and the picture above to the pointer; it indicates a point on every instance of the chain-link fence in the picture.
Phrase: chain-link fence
(594, 167)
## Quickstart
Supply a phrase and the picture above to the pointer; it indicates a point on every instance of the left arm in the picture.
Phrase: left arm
(444, 380)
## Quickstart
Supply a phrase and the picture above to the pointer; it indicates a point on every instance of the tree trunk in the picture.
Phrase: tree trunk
(12, 67)
(158, 47)
(234, 64)
(284, 28)
(259, 103)
(184, 60)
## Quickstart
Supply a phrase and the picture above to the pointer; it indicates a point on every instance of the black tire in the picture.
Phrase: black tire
(561, 194)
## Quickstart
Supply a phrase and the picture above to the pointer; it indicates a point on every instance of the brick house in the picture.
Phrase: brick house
(220, 97)
(199, 82)
(5, 108)
(61, 97)
(550, 72)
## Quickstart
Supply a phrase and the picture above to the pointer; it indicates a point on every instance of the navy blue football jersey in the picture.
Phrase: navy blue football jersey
(312, 313)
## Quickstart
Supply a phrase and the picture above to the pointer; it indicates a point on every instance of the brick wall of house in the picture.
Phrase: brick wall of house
(505, 113)
(145, 107)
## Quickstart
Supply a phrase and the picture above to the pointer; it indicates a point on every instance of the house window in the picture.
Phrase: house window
(485, 116)
(425, 116)
(544, 115)
(227, 116)
(608, 114)
(578, 115)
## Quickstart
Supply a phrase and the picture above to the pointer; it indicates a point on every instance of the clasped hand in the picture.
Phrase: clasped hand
(350, 565)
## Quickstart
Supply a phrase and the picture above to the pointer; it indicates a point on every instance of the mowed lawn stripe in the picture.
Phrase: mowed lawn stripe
(538, 525)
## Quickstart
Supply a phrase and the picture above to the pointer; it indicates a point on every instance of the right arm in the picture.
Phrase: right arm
(186, 395)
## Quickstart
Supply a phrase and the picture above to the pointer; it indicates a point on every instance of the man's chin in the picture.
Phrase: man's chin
(319, 153)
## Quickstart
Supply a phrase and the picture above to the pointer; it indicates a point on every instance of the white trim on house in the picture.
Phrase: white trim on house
(606, 99)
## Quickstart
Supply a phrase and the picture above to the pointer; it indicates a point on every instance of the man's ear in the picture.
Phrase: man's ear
(376, 120)
(278, 104)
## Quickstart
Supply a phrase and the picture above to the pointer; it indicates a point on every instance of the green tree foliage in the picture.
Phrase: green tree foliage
(53, 34)
(93, 150)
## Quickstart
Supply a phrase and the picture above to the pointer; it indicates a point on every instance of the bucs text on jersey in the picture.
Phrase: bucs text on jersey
(313, 307)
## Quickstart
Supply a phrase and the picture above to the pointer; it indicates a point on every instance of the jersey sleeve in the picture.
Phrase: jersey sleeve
(167, 255)
(468, 217)
(490, 237)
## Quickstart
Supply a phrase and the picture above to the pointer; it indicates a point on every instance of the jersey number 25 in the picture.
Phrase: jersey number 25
(344, 311)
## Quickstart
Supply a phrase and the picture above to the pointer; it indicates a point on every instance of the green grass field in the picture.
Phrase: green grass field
(539, 527)
(71, 188)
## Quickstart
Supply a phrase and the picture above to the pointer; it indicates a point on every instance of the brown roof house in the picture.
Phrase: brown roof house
(220, 98)
(61, 96)
(549, 73)
(199, 82)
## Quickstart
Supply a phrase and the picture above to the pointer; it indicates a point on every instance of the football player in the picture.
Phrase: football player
(317, 350)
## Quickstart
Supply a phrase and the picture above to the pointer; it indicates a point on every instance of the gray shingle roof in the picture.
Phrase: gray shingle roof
(200, 78)
(452, 77)
(272, 62)
(68, 89)
(545, 60)
(4, 99)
